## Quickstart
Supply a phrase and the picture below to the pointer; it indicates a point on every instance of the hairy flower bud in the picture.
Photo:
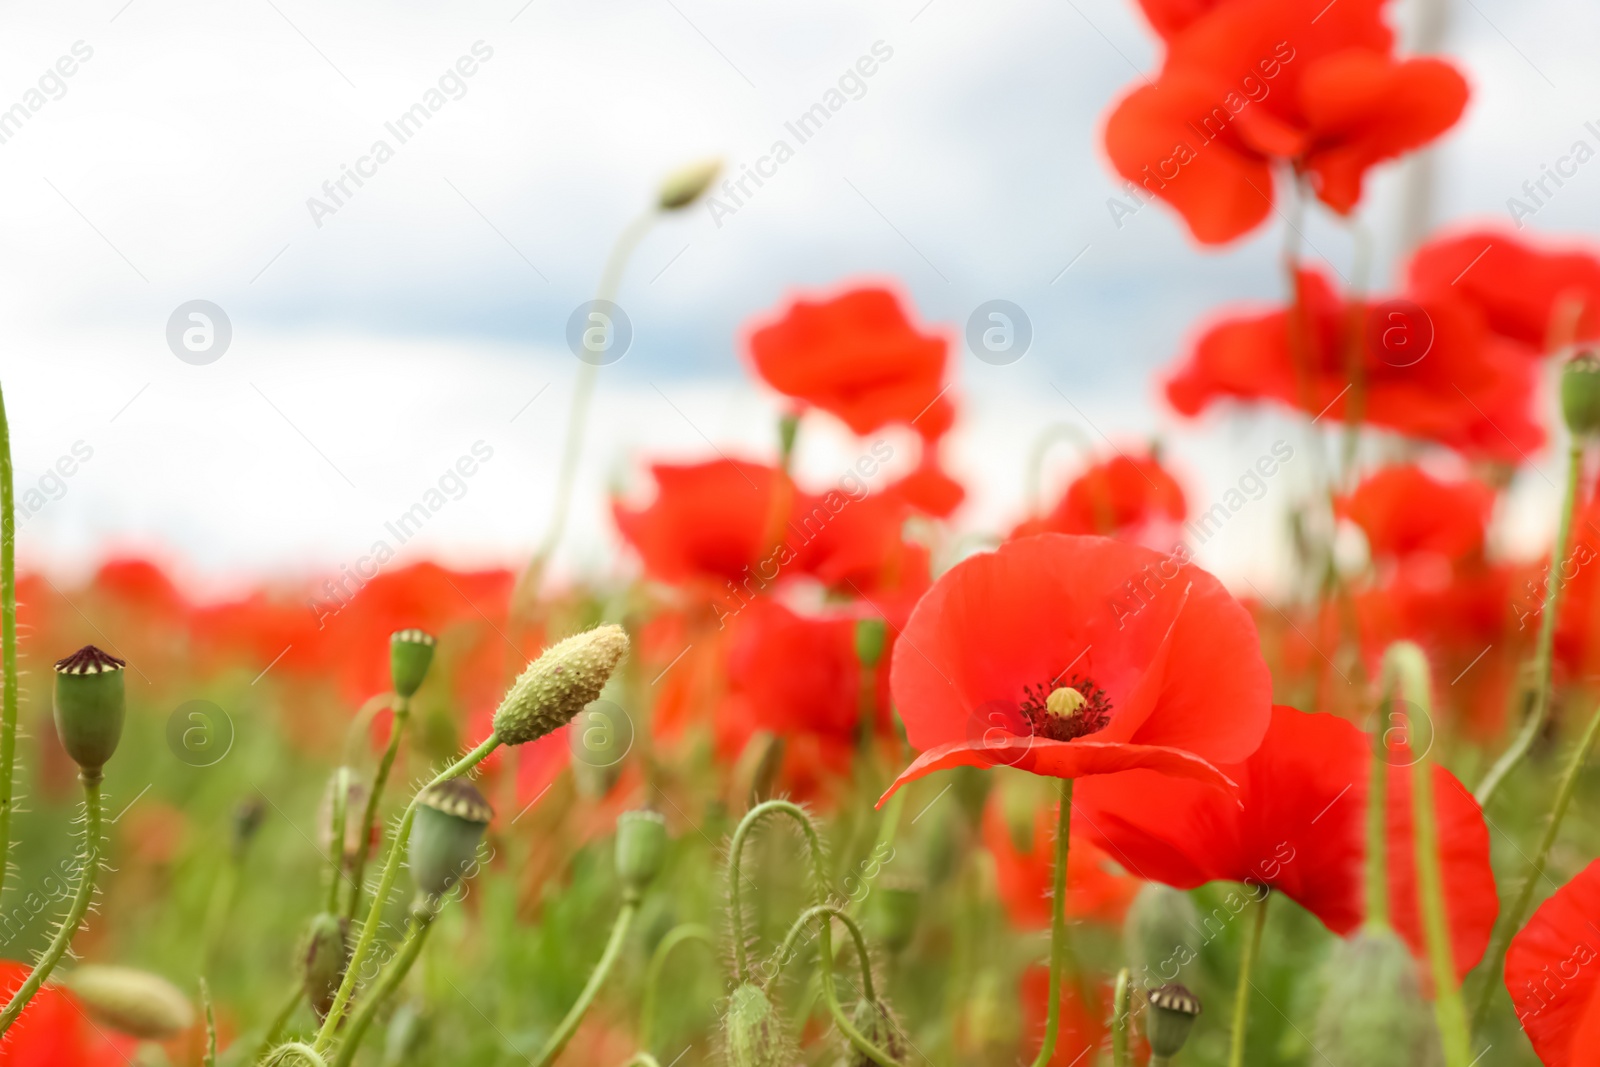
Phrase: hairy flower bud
(686, 184)
(877, 1025)
(557, 685)
(1159, 935)
(136, 1002)
(410, 654)
(754, 1031)
(641, 850)
(1372, 1012)
(1580, 394)
(90, 703)
(326, 954)
(450, 821)
(1169, 1016)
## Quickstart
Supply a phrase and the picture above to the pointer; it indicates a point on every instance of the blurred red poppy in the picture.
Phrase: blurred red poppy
(1071, 656)
(929, 488)
(54, 1031)
(1123, 497)
(711, 521)
(1301, 830)
(1248, 84)
(1403, 510)
(1447, 379)
(1550, 972)
(1536, 296)
(859, 357)
(1096, 889)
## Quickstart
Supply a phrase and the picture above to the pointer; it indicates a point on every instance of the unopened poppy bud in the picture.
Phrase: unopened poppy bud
(136, 1002)
(557, 685)
(1159, 935)
(641, 850)
(1065, 702)
(327, 953)
(871, 637)
(90, 703)
(892, 912)
(1372, 1012)
(410, 654)
(686, 184)
(753, 1030)
(1580, 394)
(450, 820)
(877, 1025)
(355, 802)
(1169, 1016)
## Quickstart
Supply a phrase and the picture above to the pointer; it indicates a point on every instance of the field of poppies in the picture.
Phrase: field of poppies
(821, 773)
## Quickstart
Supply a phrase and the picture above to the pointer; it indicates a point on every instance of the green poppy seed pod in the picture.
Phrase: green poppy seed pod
(877, 1024)
(450, 821)
(1373, 1012)
(410, 654)
(1169, 1015)
(871, 637)
(1580, 394)
(686, 184)
(1161, 935)
(558, 684)
(90, 703)
(892, 912)
(641, 850)
(326, 955)
(136, 1002)
(753, 1030)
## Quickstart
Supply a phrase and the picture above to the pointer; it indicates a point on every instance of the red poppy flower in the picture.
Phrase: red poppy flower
(1072, 656)
(1404, 510)
(1523, 290)
(709, 521)
(1550, 972)
(1082, 1029)
(1251, 83)
(1096, 889)
(1301, 830)
(1468, 388)
(1170, 17)
(856, 356)
(1124, 497)
(54, 1031)
(929, 488)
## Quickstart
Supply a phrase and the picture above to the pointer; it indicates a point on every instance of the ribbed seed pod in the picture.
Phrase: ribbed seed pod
(753, 1031)
(90, 703)
(1580, 394)
(557, 685)
(877, 1024)
(136, 1002)
(1170, 1012)
(449, 824)
(410, 654)
(1372, 1012)
(326, 954)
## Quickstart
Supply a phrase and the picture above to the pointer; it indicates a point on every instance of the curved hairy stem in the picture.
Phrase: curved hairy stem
(279, 1023)
(389, 981)
(569, 1023)
(1119, 1019)
(805, 920)
(1512, 918)
(1241, 994)
(74, 917)
(678, 935)
(741, 960)
(8, 639)
(391, 867)
(402, 713)
(1544, 651)
(823, 915)
(293, 1051)
(1058, 925)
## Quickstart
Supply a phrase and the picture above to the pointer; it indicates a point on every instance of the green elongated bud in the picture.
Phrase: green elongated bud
(1372, 1012)
(871, 637)
(892, 912)
(410, 654)
(1161, 936)
(641, 850)
(557, 685)
(450, 821)
(327, 953)
(1580, 394)
(686, 184)
(753, 1031)
(351, 846)
(90, 703)
(877, 1025)
(136, 1002)
(1169, 1015)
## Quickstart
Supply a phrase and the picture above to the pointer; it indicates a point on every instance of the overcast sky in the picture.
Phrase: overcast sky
(374, 344)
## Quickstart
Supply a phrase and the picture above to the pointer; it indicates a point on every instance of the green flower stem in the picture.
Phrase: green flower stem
(741, 834)
(812, 914)
(402, 714)
(1406, 668)
(391, 868)
(8, 637)
(280, 1022)
(1512, 918)
(74, 918)
(1119, 1019)
(1058, 924)
(1544, 651)
(339, 825)
(678, 935)
(416, 936)
(1241, 993)
(210, 1057)
(569, 1024)
(823, 915)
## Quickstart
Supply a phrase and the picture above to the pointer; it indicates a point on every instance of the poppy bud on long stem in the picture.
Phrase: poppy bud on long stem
(559, 684)
(90, 704)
